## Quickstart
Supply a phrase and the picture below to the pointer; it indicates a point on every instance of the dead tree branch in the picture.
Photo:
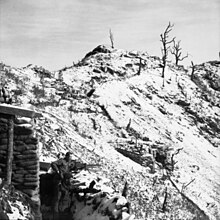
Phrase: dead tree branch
(165, 200)
(173, 163)
(111, 36)
(177, 52)
(193, 70)
(140, 65)
(184, 186)
(165, 46)
(125, 190)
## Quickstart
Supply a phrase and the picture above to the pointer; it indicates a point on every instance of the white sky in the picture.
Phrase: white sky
(54, 33)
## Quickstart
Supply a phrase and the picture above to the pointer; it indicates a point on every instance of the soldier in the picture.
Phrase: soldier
(61, 172)
(62, 165)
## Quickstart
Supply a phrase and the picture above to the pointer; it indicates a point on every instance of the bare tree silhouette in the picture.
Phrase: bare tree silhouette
(193, 70)
(111, 36)
(165, 46)
(177, 52)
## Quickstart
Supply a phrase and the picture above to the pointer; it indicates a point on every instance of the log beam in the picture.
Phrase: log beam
(10, 149)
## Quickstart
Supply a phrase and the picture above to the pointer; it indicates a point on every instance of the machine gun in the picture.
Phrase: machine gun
(76, 166)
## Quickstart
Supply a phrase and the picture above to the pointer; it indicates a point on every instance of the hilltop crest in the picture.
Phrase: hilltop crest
(112, 107)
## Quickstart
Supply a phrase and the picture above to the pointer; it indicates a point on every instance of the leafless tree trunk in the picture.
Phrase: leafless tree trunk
(10, 149)
(129, 125)
(193, 70)
(184, 186)
(173, 163)
(140, 65)
(177, 52)
(111, 36)
(165, 48)
(165, 201)
(125, 190)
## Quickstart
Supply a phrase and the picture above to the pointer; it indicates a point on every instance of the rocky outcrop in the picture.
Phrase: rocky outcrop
(99, 49)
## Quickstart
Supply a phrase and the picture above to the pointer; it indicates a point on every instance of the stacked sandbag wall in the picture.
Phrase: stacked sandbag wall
(25, 163)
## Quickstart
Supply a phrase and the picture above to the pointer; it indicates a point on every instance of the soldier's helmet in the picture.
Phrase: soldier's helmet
(68, 155)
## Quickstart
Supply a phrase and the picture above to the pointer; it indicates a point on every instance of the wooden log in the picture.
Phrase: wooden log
(16, 110)
(10, 149)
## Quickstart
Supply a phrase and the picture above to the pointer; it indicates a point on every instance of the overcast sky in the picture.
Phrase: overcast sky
(54, 33)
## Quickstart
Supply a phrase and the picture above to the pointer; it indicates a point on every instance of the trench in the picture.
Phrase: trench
(48, 198)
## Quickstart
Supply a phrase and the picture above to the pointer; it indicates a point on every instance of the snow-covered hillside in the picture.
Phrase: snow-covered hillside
(110, 101)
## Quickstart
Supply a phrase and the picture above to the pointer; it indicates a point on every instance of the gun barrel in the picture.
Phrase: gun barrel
(75, 165)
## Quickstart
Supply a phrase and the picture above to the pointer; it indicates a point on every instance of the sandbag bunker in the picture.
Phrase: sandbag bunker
(19, 153)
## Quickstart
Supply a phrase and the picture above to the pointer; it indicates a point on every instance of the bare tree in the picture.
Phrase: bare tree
(177, 52)
(111, 36)
(193, 70)
(140, 65)
(173, 162)
(165, 200)
(165, 46)
(125, 190)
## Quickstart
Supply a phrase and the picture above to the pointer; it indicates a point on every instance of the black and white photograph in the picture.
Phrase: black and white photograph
(109, 110)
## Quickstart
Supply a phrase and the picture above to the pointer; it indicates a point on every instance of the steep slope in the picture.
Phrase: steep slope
(111, 104)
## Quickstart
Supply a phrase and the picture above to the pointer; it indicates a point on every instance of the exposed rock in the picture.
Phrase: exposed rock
(99, 49)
